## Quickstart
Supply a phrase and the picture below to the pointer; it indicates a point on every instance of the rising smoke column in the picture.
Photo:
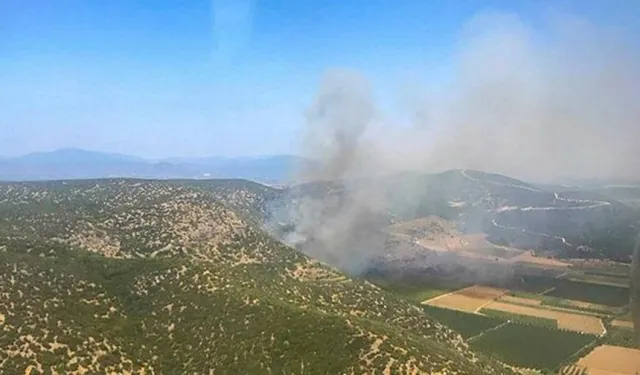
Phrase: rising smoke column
(341, 228)
(537, 103)
(541, 103)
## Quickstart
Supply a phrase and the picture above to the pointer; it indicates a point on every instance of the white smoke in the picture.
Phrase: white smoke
(556, 103)
(561, 102)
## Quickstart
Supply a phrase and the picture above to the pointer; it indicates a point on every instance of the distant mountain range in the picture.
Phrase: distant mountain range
(71, 163)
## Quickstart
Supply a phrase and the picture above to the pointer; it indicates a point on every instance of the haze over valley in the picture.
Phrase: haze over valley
(268, 187)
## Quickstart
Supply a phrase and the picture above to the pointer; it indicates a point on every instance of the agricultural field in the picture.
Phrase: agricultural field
(607, 359)
(520, 318)
(470, 299)
(530, 283)
(601, 279)
(490, 318)
(586, 307)
(606, 273)
(531, 346)
(545, 301)
(599, 294)
(573, 370)
(626, 324)
(568, 321)
(589, 292)
(520, 300)
(592, 267)
(466, 324)
(521, 269)
(416, 292)
(621, 337)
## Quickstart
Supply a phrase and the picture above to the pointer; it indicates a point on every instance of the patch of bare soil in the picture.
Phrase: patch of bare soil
(520, 300)
(469, 299)
(529, 257)
(622, 323)
(612, 360)
(432, 232)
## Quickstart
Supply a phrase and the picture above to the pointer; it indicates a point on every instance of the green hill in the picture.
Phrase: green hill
(170, 277)
(575, 223)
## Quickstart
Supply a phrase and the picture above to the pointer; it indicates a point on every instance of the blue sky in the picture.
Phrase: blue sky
(224, 77)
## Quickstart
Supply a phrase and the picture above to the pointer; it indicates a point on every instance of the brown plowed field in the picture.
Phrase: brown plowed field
(612, 360)
(622, 323)
(520, 300)
(568, 321)
(470, 299)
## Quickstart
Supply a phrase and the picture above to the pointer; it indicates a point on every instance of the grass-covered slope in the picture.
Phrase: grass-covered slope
(160, 277)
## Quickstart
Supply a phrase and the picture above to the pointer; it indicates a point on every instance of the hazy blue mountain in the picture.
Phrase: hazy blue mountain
(73, 163)
(75, 155)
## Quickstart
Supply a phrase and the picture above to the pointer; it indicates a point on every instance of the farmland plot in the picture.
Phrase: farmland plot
(522, 319)
(606, 359)
(621, 337)
(531, 346)
(595, 293)
(568, 321)
(466, 324)
(470, 299)
(520, 300)
(622, 324)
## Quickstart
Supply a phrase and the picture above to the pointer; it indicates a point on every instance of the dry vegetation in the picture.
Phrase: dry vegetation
(124, 276)
(433, 233)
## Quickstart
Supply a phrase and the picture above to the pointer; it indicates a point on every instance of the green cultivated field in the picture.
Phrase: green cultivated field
(531, 284)
(524, 319)
(620, 337)
(613, 269)
(551, 302)
(616, 275)
(467, 324)
(417, 292)
(608, 295)
(595, 293)
(531, 346)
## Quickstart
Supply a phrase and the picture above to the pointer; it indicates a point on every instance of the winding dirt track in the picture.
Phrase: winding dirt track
(585, 205)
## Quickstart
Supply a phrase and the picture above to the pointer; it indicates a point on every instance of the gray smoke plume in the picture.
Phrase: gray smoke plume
(563, 107)
(332, 225)
(337, 121)
(560, 102)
